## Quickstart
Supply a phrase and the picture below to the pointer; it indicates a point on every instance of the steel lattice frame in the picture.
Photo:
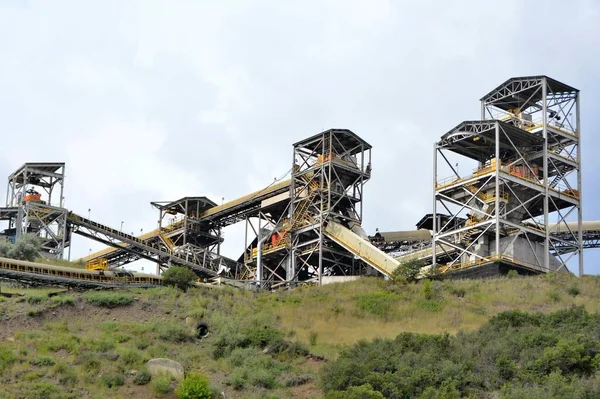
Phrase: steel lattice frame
(46, 218)
(328, 177)
(529, 129)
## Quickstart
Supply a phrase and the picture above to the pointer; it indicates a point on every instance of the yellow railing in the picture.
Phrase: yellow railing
(97, 264)
(513, 171)
(560, 129)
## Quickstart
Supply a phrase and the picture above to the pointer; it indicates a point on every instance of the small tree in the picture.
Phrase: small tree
(407, 271)
(179, 276)
(27, 247)
(5, 247)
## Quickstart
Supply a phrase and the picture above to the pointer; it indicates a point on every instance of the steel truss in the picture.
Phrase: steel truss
(207, 266)
(328, 177)
(529, 171)
(285, 241)
(34, 204)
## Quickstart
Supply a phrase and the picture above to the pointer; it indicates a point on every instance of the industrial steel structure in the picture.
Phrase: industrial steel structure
(519, 207)
(26, 212)
(527, 169)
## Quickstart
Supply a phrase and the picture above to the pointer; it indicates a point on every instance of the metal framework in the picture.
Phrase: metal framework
(289, 244)
(525, 185)
(34, 204)
(328, 177)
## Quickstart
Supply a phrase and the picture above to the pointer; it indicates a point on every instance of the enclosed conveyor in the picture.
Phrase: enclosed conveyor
(360, 247)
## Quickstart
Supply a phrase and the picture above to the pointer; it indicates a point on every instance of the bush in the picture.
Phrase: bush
(407, 271)
(112, 380)
(179, 276)
(173, 332)
(161, 384)
(143, 377)
(234, 336)
(194, 386)
(26, 248)
(109, 299)
(573, 290)
(515, 353)
(361, 392)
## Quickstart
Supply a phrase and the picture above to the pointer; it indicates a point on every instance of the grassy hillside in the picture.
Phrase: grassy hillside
(260, 344)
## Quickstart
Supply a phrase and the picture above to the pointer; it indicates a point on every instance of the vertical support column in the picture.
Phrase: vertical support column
(292, 270)
(185, 222)
(579, 185)
(497, 178)
(246, 237)
(259, 269)
(483, 110)
(434, 215)
(545, 166)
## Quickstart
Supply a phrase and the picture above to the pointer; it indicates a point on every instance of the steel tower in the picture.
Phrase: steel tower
(328, 177)
(34, 204)
(525, 184)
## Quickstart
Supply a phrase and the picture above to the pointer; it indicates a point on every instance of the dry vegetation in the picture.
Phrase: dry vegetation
(260, 344)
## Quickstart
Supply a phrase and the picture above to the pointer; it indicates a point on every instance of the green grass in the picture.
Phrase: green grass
(257, 341)
(109, 299)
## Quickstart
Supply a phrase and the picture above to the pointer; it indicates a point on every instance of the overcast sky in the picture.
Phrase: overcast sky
(151, 100)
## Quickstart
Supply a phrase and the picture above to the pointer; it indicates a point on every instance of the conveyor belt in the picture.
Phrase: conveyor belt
(110, 236)
(360, 247)
(225, 214)
(60, 275)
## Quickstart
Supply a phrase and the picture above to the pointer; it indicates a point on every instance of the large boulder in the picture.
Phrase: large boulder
(165, 366)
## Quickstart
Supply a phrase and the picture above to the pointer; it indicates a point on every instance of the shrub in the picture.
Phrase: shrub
(143, 377)
(27, 247)
(129, 357)
(407, 271)
(515, 354)
(360, 392)
(179, 276)
(257, 336)
(112, 379)
(573, 290)
(173, 332)
(161, 384)
(194, 386)
(109, 299)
